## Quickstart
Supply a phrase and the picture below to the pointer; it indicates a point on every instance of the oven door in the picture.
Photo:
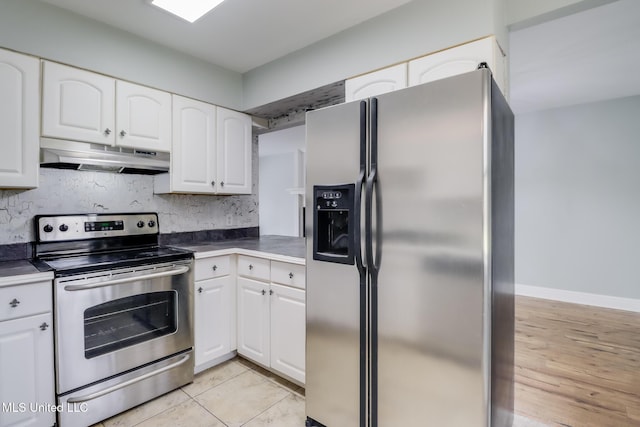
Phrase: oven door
(107, 323)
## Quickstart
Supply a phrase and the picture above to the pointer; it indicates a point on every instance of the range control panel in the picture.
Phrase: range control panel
(56, 228)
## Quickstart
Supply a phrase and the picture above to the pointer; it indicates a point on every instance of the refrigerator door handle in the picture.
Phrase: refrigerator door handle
(373, 189)
(357, 235)
(357, 209)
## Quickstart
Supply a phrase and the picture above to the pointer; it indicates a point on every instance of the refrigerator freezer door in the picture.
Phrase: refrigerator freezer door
(333, 295)
(432, 295)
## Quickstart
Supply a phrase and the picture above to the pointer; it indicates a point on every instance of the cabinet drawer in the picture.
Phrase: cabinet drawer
(25, 300)
(255, 268)
(207, 268)
(288, 274)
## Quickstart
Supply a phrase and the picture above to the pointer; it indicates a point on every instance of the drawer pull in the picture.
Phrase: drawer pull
(250, 266)
(200, 290)
(44, 326)
(290, 275)
(270, 291)
(264, 292)
(14, 303)
(215, 267)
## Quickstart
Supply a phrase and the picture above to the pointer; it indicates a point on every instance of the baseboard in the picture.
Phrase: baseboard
(618, 303)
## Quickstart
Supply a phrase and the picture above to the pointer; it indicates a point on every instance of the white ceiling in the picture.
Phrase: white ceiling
(590, 56)
(239, 34)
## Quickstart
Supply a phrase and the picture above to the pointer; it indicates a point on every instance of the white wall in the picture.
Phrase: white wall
(43, 30)
(577, 193)
(280, 171)
(412, 30)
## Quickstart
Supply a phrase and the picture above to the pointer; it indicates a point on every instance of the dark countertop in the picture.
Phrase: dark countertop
(22, 271)
(278, 245)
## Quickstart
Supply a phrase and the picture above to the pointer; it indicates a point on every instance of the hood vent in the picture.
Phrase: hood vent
(63, 154)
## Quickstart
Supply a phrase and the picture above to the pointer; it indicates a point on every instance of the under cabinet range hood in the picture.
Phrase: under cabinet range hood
(64, 154)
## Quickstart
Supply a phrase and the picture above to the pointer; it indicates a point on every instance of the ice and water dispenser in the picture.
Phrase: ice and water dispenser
(333, 223)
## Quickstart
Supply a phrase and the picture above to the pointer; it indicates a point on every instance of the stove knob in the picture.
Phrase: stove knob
(63, 227)
(48, 228)
(140, 224)
(152, 223)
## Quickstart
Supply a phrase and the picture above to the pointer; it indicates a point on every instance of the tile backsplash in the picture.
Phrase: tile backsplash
(69, 191)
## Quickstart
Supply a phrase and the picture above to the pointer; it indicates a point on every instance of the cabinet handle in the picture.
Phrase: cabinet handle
(200, 290)
(221, 183)
(44, 326)
(270, 291)
(290, 275)
(122, 133)
(264, 292)
(213, 183)
(250, 267)
(107, 131)
(14, 303)
(215, 267)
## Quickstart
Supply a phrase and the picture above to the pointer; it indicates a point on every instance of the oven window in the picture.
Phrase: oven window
(128, 321)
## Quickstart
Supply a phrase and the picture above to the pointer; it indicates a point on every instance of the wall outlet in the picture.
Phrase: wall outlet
(229, 219)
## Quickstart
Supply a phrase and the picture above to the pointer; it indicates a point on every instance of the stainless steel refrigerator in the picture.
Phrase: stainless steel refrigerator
(409, 226)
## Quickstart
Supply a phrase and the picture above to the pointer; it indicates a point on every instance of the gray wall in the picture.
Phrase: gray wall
(67, 191)
(43, 30)
(578, 198)
(409, 31)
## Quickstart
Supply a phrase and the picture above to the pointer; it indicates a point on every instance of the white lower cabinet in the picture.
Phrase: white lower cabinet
(214, 311)
(288, 331)
(26, 357)
(253, 320)
(271, 318)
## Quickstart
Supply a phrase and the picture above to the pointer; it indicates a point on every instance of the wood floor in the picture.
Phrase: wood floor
(575, 365)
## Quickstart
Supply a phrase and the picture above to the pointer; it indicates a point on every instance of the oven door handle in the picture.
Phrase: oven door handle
(179, 270)
(113, 388)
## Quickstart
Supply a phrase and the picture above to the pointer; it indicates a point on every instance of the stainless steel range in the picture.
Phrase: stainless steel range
(123, 312)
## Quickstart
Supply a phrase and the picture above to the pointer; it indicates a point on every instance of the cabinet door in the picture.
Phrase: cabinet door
(143, 117)
(458, 60)
(233, 152)
(214, 318)
(288, 331)
(376, 83)
(26, 369)
(193, 154)
(77, 104)
(253, 320)
(19, 120)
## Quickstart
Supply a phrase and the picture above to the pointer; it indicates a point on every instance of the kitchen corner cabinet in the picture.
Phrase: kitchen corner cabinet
(271, 315)
(214, 310)
(376, 83)
(19, 120)
(210, 153)
(233, 152)
(84, 106)
(460, 59)
(26, 354)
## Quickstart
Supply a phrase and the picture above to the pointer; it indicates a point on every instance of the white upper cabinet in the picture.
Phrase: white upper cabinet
(77, 104)
(376, 83)
(84, 106)
(19, 120)
(143, 117)
(210, 150)
(193, 151)
(233, 174)
(458, 60)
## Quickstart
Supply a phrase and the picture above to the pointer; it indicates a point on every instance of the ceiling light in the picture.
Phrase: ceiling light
(190, 10)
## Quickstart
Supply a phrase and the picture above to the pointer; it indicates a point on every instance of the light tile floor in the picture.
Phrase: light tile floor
(233, 394)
